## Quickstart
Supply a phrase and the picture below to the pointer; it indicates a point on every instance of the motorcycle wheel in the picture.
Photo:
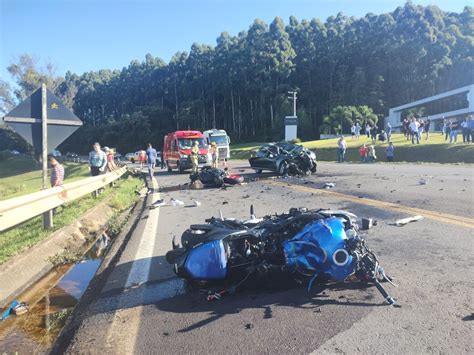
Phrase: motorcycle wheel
(168, 166)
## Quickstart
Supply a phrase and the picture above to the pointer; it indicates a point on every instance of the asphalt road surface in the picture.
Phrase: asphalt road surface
(143, 308)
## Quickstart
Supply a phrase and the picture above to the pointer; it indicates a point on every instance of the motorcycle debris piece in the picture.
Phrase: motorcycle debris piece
(157, 203)
(423, 181)
(196, 203)
(175, 202)
(404, 221)
(329, 185)
(367, 223)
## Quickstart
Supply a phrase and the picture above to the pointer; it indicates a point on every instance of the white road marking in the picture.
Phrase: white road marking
(139, 273)
(140, 270)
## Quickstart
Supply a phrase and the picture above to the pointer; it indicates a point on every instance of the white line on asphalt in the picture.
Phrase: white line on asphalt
(139, 274)
(140, 270)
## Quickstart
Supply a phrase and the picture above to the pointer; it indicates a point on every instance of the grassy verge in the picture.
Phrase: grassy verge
(21, 175)
(29, 233)
(434, 150)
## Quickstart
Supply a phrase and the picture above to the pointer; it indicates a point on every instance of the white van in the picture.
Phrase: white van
(222, 141)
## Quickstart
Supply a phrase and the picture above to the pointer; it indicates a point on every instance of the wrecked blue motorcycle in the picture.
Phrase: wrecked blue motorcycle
(308, 245)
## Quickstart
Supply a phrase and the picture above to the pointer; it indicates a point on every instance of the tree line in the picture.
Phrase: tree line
(241, 84)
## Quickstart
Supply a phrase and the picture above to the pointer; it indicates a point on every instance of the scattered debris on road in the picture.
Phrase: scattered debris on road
(329, 185)
(423, 181)
(404, 221)
(196, 203)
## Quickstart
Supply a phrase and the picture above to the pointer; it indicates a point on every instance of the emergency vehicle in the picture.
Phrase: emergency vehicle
(177, 150)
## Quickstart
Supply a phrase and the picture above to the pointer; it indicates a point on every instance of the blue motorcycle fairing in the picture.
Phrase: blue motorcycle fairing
(315, 246)
(207, 261)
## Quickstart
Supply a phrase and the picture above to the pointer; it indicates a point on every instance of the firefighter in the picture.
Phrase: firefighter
(195, 157)
(214, 154)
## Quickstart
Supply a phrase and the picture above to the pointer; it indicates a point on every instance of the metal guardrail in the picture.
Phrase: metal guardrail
(20, 209)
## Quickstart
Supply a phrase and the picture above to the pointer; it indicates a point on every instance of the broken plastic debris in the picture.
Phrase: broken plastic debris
(329, 185)
(403, 221)
(158, 203)
(423, 181)
(196, 203)
(174, 202)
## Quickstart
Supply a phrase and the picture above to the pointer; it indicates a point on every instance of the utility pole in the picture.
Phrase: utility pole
(294, 101)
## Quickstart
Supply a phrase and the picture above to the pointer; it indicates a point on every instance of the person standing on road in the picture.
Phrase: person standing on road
(214, 155)
(141, 158)
(195, 158)
(342, 145)
(57, 172)
(97, 160)
(151, 159)
(389, 150)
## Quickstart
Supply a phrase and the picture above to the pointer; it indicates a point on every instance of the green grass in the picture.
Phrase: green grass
(435, 150)
(29, 233)
(21, 175)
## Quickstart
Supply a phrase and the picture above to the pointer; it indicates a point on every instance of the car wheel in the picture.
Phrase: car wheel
(168, 166)
(283, 168)
(258, 171)
(132, 160)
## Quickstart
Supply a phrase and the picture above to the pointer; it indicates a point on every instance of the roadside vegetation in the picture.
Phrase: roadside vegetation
(21, 175)
(120, 198)
(436, 150)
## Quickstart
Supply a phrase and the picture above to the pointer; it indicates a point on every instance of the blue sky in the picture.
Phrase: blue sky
(90, 35)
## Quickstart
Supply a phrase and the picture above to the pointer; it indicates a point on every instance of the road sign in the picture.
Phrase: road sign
(44, 122)
(26, 120)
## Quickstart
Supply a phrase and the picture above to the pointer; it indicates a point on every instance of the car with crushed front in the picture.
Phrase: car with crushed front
(284, 158)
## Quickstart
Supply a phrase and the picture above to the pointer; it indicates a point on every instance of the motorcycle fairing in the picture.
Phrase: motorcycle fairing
(320, 248)
(207, 261)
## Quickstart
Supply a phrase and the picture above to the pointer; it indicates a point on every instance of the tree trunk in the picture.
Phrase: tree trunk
(233, 108)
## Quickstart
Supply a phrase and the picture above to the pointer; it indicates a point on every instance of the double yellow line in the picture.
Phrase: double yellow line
(437, 216)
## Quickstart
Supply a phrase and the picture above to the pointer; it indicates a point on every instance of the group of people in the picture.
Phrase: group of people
(413, 129)
(366, 153)
(451, 128)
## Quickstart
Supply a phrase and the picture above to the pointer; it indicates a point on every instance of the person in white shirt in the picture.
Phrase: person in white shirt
(414, 125)
(341, 143)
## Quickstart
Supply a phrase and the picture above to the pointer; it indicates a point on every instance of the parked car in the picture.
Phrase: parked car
(133, 157)
(285, 159)
(72, 157)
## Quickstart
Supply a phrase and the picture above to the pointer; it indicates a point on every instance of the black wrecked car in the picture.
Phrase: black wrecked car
(285, 159)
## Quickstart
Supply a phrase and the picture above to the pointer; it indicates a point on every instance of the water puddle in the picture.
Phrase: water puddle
(51, 301)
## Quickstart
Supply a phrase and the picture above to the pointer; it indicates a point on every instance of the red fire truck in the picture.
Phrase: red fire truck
(177, 150)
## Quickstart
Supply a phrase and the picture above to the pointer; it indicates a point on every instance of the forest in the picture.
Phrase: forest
(241, 83)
